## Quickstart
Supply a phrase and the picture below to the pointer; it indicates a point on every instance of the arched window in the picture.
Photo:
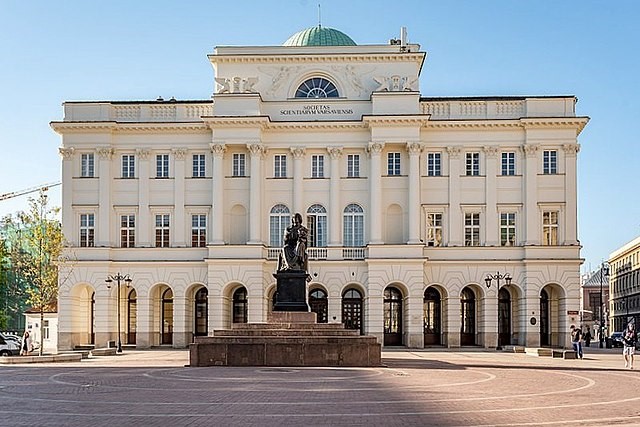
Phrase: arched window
(317, 225)
(279, 219)
(353, 226)
(132, 316)
(317, 87)
(319, 305)
(201, 312)
(167, 316)
(352, 310)
(240, 306)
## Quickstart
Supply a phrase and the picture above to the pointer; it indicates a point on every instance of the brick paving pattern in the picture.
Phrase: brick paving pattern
(415, 388)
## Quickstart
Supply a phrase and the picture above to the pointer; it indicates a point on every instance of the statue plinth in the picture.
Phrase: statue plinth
(291, 291)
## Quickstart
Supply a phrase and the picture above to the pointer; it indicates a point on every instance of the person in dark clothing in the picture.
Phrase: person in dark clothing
(587, 337)
(576, 341)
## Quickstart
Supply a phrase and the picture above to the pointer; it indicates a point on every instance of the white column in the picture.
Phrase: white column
(491, 196)
(455, 214)
(414, 149)
(571, 192)
(67, 190)
(335, 236)
(531, 214)
(179, 220)
(104, 196)
(257, 152)
(143, 224)
(375, 193)
(217, 222)
(298, 172)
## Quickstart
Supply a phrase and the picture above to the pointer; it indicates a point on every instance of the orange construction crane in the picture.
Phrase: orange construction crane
(13, 194)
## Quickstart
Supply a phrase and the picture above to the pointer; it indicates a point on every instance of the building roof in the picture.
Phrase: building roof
(319, 36)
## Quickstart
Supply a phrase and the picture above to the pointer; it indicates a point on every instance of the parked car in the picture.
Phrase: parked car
(616, 339)
(10, 337)
(9, 348)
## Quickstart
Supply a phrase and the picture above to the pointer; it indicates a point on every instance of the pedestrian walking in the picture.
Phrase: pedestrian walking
(587, 337)
(25, 344)
(576, 341)
(629, 339)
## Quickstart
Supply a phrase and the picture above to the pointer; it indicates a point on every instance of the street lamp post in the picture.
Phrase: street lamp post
(497, 277)
(604, 271)
(126, 279)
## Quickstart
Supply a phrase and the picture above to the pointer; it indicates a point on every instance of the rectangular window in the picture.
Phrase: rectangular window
(128, 166)
(507, 228)
(45, 329)
(509, 163)
(472, 164)
(198, 231)
(353, 165)
(550, 228)
(162, 166)
(162, 231)
(434, 229)
(87, 166)
(127, 231)
(280, 166)
(549, 162)
(472, 229)
(317, 166)
(87, 230)
(239, 164)
(434, 164)
(198, 165)
(393, 164)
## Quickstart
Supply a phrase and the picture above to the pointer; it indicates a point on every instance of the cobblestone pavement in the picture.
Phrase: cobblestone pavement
(416, 387)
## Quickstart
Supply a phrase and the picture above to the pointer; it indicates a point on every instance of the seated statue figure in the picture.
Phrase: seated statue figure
(294, 252)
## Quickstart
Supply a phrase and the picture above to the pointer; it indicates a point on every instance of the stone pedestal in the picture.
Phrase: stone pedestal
(291, 291)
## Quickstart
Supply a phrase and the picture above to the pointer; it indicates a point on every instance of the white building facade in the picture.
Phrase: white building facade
(411, 202)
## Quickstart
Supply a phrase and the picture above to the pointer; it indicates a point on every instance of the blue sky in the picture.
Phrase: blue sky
(51, 52)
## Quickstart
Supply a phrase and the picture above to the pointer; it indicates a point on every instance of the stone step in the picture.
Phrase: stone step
(540, 352)
(323, 326)
(84, 347)
(286, 332)
(514, 348)
(111, 351)
(284, 339)
(52, 358)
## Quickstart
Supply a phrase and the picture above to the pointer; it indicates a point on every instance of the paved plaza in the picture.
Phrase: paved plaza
(415, 387)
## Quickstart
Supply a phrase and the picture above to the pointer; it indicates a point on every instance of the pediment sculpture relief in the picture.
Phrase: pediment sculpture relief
(396, 83)
(236, 84)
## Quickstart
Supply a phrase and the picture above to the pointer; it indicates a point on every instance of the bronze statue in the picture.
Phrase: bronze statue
(294, 252)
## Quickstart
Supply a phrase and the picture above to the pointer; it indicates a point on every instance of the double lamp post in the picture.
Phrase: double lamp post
(119, 279)
(498, 277)
(604, 272)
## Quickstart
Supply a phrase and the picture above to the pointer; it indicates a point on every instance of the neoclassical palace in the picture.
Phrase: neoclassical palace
(411, 202)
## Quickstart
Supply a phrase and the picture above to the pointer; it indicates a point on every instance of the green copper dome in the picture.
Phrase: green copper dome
(319, 36)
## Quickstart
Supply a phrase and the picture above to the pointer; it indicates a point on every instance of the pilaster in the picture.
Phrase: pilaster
(179, 238)
(531, 214)
(375, 190)
(257, 152)
(217, 222)
(414, 149)
(571, 192)
(335, 236)
(455, 214)
(490, 189)
(298, 172)
(143, 220)
(105, 155)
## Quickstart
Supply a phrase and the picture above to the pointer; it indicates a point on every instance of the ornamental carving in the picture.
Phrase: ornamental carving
(278, 76)
(414, 148)
(454, 152)
(571, 149)
(396, 83)
(491, 151)
(348, 72)
(105, 153)
(298, 152)
(66, 153)
(217, 149)
(375, 148)
(334, 152)
(530, 150)
(236, 84)
(143, 153)
(179, 153)
(256, 149)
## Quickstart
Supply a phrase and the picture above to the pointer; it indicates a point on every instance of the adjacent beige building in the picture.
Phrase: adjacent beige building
(411, 202)
(624, 286)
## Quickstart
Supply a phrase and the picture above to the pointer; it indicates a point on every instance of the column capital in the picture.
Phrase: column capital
(257, 149)
(414, 148)
(571, 149)
(375, 148)
(179, 153)
(105, 153)
(530, 150)
(335, 152)
(143, 153)
(217, 149)
(298, 152)
(66, 153)
(491, 151)
(454, 152)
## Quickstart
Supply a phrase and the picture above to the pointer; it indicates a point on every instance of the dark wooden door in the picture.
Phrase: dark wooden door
(432, 315)
(392, 316)
(468, 317)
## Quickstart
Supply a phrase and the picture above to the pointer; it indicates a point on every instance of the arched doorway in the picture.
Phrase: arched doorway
(167, 317)
(545, 332)
(468, 317)
(352, 310)
(240, 305)
(201, 312)
(132, 316)
(432, 314)
(392, 316)
(319, 305)
(504, 317)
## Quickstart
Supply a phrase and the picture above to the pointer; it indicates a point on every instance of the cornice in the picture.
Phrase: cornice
(346, 125)
(70, 127)
(416, 57)
(235, 122)
(577, 123)
(408, 120)
(115, 127)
